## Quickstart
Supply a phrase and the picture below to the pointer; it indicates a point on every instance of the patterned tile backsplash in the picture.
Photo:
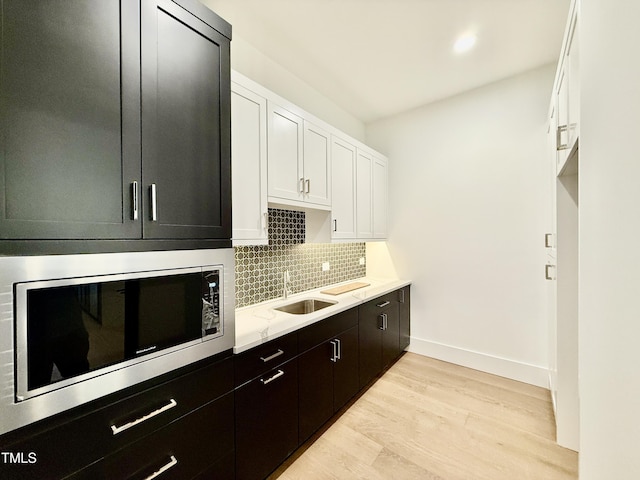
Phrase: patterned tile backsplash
(260, 269)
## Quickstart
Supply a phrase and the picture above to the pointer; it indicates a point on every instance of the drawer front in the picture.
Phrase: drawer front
(379, 305)
(198, 443)
(261, 359)
(130, 419)
(326, 329)
(69, 446)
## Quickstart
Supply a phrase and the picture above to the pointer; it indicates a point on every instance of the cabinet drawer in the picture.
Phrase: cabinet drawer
(325, 329)
(379, 305)
(261, 359)
(202, 441)
(130, 419)
(60, 448)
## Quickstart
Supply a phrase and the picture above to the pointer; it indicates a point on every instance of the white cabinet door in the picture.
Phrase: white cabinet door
(343, 185)
(249, 166)
(562, 112)
(317, 165)
(380, 197)
(573, 61)
(364, 194)
(285, 154)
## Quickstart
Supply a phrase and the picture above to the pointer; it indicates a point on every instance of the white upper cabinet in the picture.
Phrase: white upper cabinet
(249, 166)
(567, 92)
(343, 182)
(286, 158)
(364, 194)
(380, 197)
(285, 154)
(298, 159)
(317, 165)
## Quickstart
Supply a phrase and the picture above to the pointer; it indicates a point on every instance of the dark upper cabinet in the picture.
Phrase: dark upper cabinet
(186, 145)
(69, 119)
(101, 102)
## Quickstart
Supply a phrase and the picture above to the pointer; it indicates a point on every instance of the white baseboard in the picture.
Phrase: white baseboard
(522, 372)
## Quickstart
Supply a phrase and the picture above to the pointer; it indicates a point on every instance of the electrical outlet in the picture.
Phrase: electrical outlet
(325, 266)
(361, 261)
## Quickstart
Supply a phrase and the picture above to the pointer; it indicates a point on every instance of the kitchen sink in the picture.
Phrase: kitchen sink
(305, 306)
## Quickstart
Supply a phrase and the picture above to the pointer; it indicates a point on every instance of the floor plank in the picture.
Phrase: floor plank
(431, 420)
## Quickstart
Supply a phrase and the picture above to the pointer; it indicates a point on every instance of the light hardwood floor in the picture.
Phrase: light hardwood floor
(431, 420)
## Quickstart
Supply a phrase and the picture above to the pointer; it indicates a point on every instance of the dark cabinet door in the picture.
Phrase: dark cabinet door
(266, 421)
(69, 119)
(404, 299)
(370, 343)
(345, 372)
(379, 335)
(186, 103)
(315, 389)
(391, 334)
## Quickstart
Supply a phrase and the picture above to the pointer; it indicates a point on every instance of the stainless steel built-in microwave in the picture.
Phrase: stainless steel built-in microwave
(68, 330)
(75, 328)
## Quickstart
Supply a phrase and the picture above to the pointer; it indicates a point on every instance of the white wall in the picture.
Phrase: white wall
(609, 283)
(467, 223)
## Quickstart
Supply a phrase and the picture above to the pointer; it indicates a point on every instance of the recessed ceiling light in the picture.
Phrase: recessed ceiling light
(465, 43)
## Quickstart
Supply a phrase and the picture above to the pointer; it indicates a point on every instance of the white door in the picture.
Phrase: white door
(317, 165)
(249, 166)
(285, 153)
(343, 186)
(380, 197)
(364, 194)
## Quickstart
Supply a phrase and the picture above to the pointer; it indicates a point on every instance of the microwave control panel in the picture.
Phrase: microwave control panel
(211, 318)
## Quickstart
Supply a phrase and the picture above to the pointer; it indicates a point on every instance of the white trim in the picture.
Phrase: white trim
(522, 372)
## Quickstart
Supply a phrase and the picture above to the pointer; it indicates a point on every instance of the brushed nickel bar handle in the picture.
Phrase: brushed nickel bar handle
(547, 239)
(401, 299)
(271, 357)
(383, 304)
(116, 430)
(307, 183)
(335, 224)
(334, 357)
(301, 185)
(381, 317)
(134, 200)
(339, 344)
(271, 379)
(173, 461)
(154, 204)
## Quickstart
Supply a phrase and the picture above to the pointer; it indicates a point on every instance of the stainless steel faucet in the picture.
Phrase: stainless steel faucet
(286, 291)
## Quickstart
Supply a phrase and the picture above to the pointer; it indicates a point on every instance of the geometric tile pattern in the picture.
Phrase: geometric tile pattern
(260, 269)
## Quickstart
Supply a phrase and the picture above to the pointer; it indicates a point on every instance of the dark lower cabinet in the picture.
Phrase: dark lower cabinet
(266, 421)
(379, 336)
(197, 444)
(404, 299)
(188, 416)
(328, 380)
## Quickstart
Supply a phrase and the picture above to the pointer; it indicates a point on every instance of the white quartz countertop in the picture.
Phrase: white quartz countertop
(257, 324)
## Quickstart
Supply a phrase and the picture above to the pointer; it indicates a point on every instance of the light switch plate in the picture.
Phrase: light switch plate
(325, 266)
(361, 261)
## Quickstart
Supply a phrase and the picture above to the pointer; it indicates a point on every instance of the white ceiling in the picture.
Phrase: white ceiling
(375, 58)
